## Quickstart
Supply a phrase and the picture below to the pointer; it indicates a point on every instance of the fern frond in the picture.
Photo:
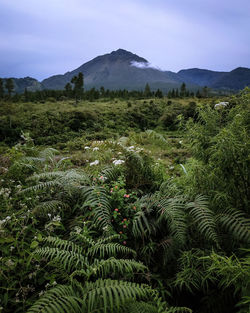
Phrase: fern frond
(48, 153)
(236, 223)
(111, 266)
(203, 218)
(43, 186)
(46, 175)
(112, 294)
(111, 173)
(82, 239)
(108, 238)
(109, 249)
(140, 225)
(156, 136)
(51, 206)
(98, 199)
(70, 260)
(139, 307)
(60, 299)
(63, 244)
(178, 310)
(171, 211)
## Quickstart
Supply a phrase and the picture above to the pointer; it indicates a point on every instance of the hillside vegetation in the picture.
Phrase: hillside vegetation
(125, 206)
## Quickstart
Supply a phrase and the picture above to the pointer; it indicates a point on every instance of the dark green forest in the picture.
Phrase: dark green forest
(117, 201)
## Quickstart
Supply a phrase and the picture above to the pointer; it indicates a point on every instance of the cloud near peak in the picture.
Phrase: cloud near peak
(144, 65)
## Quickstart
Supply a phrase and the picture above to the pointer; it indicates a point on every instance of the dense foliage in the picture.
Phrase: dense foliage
(111, 229)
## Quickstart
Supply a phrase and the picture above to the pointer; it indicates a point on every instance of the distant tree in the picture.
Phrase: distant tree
(187, 93)
(198, 94)
(169, 94)
(9, 85)
(173, 93)
(102, 91)
(205, 92)
(158, 93)
(1, 89)
(183, 90)
(78, 86)
(26, 95)
(177, 93)
(68, 90)
(147, 91)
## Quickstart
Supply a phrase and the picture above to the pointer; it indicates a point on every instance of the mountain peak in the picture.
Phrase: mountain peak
(127, 56)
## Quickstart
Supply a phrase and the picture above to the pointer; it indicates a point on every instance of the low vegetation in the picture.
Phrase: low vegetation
(125, 206)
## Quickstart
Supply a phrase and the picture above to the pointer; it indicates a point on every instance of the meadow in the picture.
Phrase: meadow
(114, 205)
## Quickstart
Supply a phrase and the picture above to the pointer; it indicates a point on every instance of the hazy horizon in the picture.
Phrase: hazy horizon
(44, 38)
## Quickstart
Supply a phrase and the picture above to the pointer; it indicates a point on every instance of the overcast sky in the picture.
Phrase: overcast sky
(40, 38)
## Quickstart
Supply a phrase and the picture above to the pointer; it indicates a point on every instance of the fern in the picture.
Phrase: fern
(116, 266)
(172, 212)
(203, 218)
(109, 249)
(236, 223)
(98, 199)
(60, 299)
(51, 206)
(63, 244)
(112, 294)
(70, 260)
(111, 173)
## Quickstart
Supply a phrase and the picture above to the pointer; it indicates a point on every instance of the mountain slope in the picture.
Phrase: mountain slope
(31, 84)
(117, 70)
(238, 78)
(122, 69)
(200, 77)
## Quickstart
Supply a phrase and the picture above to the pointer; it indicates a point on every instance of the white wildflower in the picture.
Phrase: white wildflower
(77, 229)
(41, 293)
(221, 105)
(96, 162)
(95, 149)
(56, 218)
(9, 263)
(86, 148)
(118, 162)
(131, 148)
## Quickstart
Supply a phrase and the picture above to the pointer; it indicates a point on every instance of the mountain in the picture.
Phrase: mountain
(31, 84)
(199, 76)
(122, 69)
(237, 79)
(118, 70)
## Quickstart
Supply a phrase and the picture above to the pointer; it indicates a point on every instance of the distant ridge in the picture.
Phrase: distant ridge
(122, 69)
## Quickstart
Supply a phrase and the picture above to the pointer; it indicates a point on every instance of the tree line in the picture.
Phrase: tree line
(75, 90)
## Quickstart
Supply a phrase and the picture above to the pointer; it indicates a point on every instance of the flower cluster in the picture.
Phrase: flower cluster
(118, 162)
(5, 192)
(56, 218)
